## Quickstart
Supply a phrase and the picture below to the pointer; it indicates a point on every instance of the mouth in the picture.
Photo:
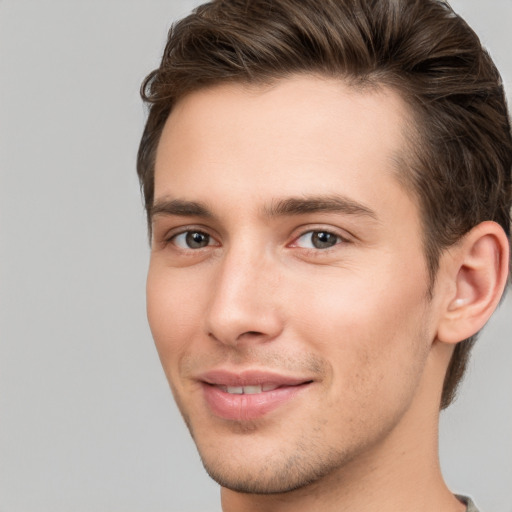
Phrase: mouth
(249, 395)
(248, 390)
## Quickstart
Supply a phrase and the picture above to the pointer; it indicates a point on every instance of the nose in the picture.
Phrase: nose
(244, 305)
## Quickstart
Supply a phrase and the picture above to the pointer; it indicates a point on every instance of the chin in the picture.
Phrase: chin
(276, 475)
(278, 483)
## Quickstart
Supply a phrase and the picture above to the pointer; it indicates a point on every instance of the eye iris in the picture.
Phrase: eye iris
(322, 239)
(196, 240)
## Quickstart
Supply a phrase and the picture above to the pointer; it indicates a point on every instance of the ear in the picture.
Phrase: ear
(479, 267)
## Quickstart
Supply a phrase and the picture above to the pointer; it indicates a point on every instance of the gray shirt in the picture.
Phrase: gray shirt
(471, 507)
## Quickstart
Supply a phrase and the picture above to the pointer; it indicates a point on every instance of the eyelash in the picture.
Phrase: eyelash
(189, 231)
(338, 239)
(171, 239)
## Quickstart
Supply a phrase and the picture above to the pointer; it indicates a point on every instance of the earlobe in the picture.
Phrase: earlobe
(480, 271)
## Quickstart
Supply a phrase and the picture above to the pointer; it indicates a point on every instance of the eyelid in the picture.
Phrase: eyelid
(183, 243)
(168, 235)
(304, 230)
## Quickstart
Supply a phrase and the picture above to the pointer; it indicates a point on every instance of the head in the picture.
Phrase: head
(459, 155)
(456, 148)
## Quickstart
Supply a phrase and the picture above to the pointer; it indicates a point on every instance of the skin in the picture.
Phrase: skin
(354, 318)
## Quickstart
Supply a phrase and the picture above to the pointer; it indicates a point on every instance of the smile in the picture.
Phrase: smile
(248, 390)
(250, 395)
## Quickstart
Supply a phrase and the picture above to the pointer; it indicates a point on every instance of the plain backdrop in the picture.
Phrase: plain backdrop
(87, 423)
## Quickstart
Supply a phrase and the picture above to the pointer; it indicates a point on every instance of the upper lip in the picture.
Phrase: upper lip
(250, 378)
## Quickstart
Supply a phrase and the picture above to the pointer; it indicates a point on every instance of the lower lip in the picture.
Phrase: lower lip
(248, 407)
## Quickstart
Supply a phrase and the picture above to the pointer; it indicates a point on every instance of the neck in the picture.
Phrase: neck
(400, 473)
(407, 478)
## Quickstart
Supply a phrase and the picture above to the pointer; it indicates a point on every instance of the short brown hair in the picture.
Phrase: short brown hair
(461, 158)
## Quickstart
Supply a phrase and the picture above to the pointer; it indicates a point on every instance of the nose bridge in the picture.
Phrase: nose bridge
(243, 304)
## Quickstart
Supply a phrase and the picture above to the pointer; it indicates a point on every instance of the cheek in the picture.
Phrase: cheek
(174, 312)
(372, 330)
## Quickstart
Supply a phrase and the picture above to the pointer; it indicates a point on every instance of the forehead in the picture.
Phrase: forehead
(299, 135)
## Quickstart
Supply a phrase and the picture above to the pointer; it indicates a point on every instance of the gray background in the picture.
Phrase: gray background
(86, 419)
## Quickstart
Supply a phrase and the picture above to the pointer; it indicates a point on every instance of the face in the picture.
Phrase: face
(287, 288)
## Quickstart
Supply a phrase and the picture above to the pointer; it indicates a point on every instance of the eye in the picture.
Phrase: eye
(317, 240)
(192, 240)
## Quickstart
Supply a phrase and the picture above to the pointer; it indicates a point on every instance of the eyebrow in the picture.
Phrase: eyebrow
(180, 208)
(278, 208)
(318, 204)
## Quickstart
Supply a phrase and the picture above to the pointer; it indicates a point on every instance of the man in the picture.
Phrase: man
(328, 190)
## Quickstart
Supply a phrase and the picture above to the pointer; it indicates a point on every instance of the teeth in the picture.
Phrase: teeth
(252, 390)
(249, 390)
